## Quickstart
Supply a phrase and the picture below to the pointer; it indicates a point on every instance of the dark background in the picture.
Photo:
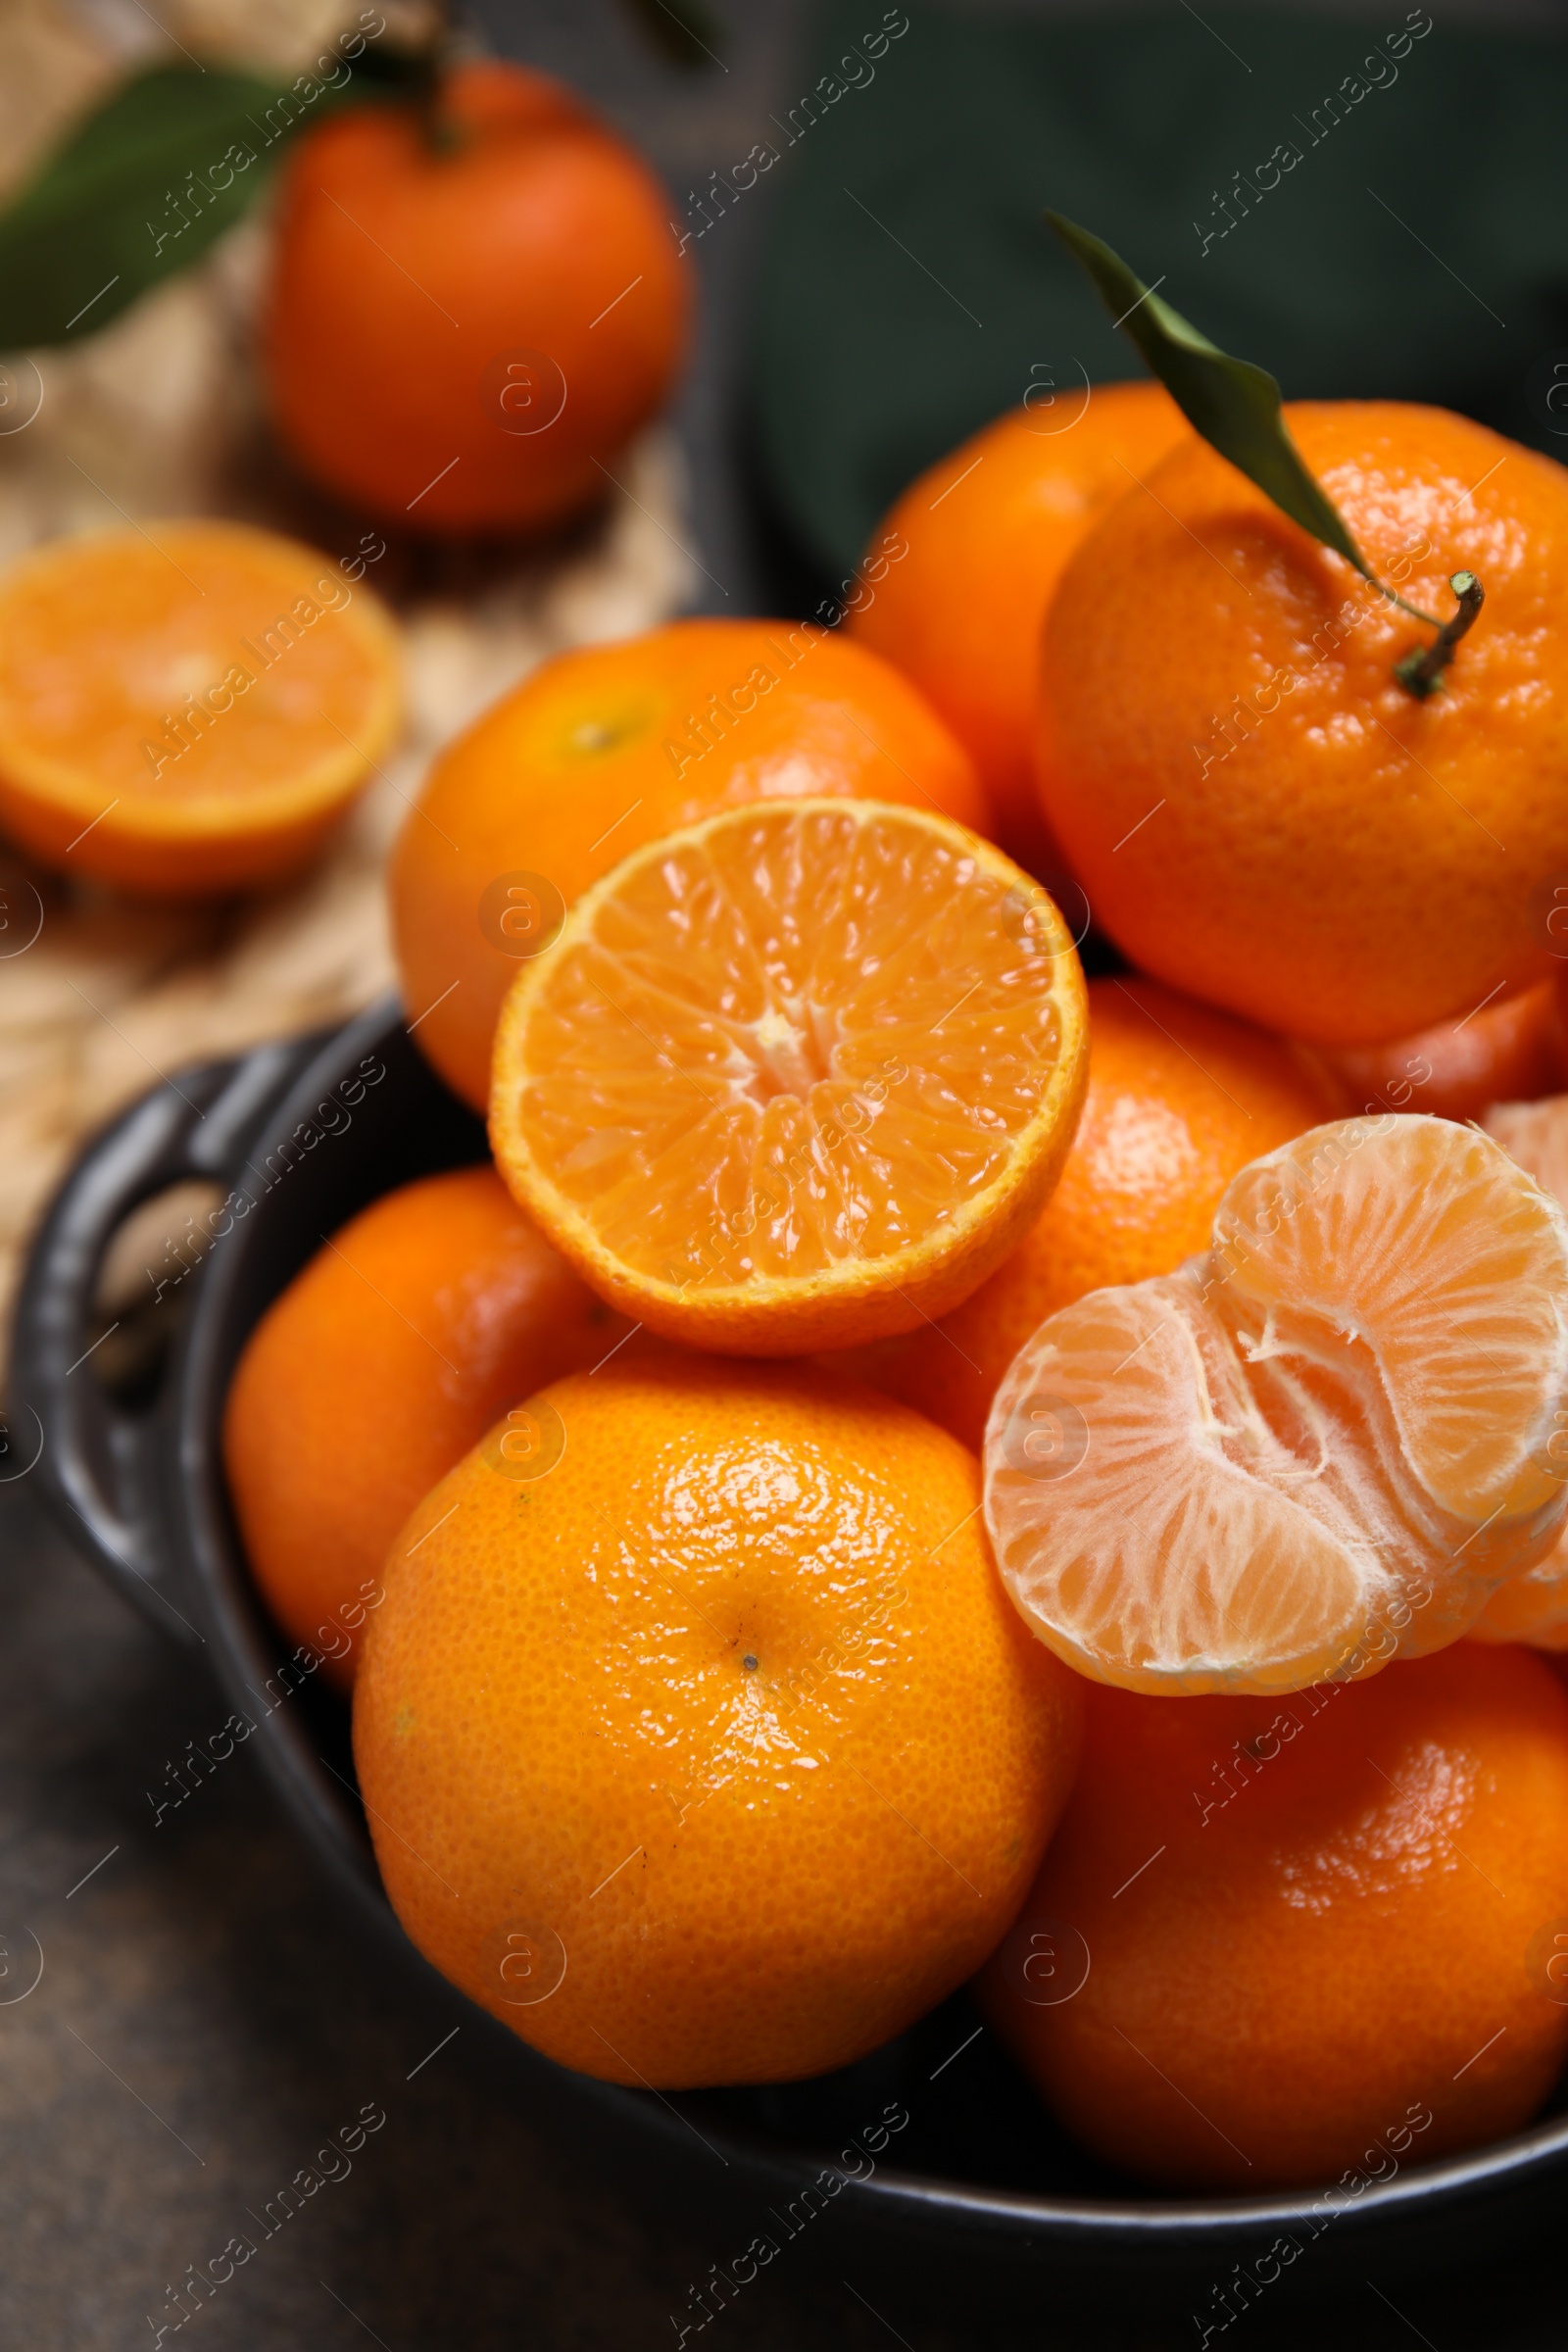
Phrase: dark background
(206, 2017)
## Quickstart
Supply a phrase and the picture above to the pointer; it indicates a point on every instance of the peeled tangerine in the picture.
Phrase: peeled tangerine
(1321, 1444)
(1534, 1608)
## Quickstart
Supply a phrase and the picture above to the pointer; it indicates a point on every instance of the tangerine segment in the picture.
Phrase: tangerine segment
(188, 707)
(1415, 1237)
(797, 1076)
(1317, 1446)
(1533, 1606)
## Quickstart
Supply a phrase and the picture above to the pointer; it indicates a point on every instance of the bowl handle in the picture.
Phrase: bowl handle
(95, 1455)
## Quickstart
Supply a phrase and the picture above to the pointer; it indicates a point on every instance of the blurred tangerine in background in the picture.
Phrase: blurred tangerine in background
(473, 306)
(188, 707)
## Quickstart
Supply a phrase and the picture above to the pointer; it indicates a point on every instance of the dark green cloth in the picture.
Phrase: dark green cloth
(1418, 249)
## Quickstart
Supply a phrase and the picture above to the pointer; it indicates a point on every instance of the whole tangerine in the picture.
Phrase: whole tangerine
(1180, 1099)
(470, 315)
(1300, 1936)
(374, 1371)
(602, 750)
(957, 581)
(1258, 808)
(1513, 1050)
(714, 1752)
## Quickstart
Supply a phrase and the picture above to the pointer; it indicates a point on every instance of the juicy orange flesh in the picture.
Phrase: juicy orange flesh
(100, 654)
(1266, 1467)
(1536, 1135)
(1182, 1472)
(1418, 1236)
(795, 1043)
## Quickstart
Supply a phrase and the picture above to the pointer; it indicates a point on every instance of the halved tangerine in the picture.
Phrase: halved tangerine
(1321, 1444)
(188, 707)
(796, 1076)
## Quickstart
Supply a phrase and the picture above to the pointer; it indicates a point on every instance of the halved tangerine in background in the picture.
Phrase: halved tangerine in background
(188, 707)
(797, 1076)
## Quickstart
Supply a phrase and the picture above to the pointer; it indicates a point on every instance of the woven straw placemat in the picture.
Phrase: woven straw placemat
(159, 415)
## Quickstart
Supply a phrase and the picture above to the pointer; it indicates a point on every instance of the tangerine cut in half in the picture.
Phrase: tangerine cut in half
(1321, 1444)
(796, 1076)
(188, 707)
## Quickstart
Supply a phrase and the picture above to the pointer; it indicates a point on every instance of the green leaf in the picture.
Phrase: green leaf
(130, 198)
(1234, 404)
(686, 30)
(144, 184)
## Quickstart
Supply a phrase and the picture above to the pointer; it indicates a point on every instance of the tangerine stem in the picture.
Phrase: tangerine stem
(431, 59)
(1420, 671)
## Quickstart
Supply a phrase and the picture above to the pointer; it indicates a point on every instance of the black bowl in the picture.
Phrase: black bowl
(976, 2194)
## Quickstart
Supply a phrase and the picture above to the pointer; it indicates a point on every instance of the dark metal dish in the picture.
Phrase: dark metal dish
(974, 2194)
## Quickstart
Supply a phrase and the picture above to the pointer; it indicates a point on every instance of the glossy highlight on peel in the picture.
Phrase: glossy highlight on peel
(795, 1077)
(1317, 1446)
(714, 1753)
